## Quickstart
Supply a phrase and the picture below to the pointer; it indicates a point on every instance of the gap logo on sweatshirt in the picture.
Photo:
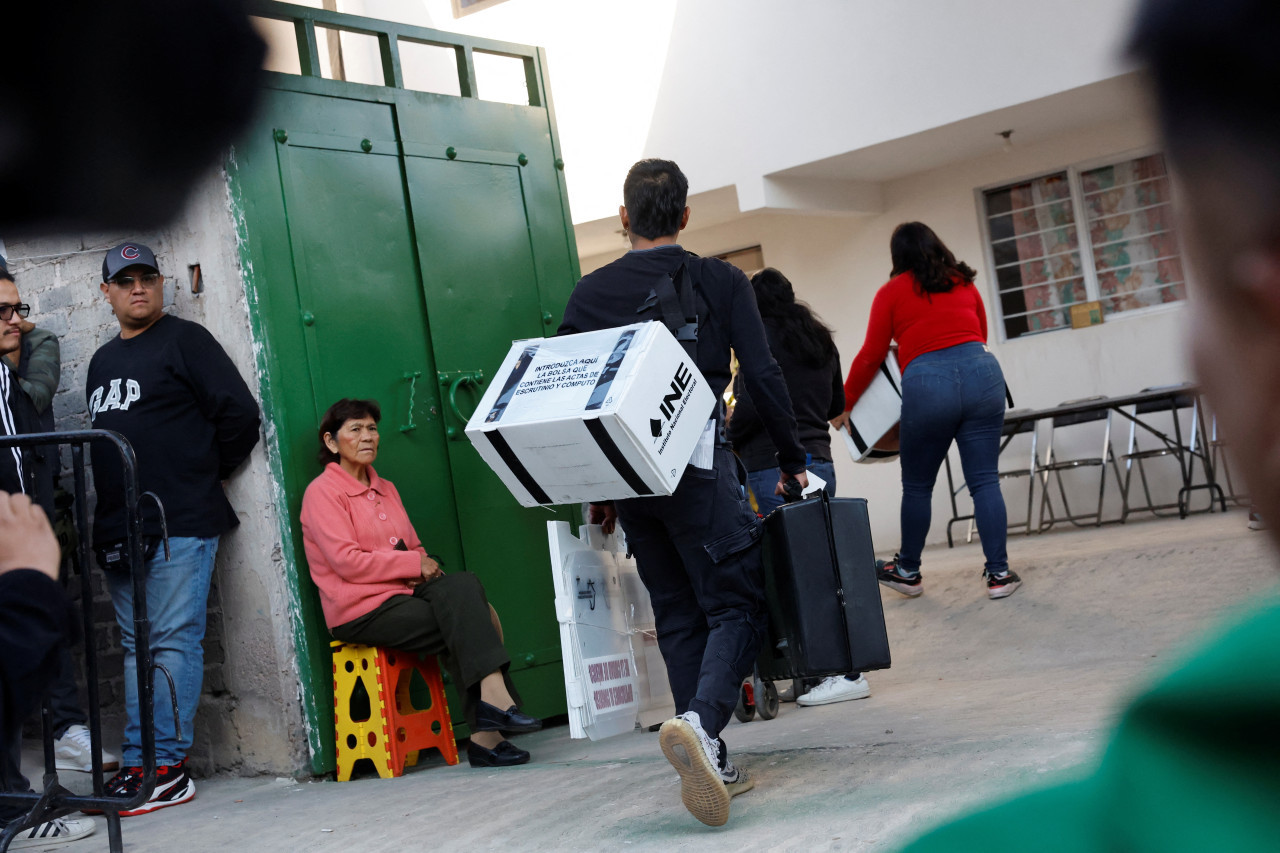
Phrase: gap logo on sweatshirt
(115, 397)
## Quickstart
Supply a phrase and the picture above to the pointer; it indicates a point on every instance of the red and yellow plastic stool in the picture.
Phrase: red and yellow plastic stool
(395, 730)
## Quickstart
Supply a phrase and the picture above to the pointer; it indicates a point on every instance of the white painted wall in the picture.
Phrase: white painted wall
(754, 86)
(737, 89)
(838, 263)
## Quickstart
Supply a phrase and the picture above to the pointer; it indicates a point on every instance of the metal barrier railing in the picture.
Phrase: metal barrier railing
(53, 800)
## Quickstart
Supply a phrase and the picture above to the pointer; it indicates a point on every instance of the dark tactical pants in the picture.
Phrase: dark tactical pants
(449, 617)
(698, 553)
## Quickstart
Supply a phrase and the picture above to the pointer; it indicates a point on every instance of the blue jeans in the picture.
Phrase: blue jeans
(177, 597)
(764, 481)
(956, 394)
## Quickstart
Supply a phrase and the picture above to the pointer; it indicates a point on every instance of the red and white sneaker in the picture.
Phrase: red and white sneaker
(173, 787)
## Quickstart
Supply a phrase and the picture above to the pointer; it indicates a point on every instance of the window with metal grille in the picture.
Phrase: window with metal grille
(1128, 259)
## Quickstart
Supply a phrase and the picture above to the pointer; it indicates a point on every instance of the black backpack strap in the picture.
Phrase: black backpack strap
(676, 301)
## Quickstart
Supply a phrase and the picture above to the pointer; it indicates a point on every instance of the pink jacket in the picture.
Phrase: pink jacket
(349, 532)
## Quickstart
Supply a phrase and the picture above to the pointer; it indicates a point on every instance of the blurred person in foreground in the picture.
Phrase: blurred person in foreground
(1195, 762)
(34, 623)
(803, 347)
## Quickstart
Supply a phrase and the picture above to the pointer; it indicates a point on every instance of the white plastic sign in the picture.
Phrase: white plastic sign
(613, 671)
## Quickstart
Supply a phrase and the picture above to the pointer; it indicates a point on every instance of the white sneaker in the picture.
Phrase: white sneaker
(836, 688)
(60, 830)
(695, 756)
(73, 751)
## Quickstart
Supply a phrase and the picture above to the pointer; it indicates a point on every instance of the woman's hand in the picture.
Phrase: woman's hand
(430, 568)
(840, 420)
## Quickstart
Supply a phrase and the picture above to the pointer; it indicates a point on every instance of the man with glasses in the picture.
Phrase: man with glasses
(17, 476)
(170, 388)
(37, 363)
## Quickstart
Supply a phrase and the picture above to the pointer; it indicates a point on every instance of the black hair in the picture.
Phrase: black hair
(655, 193)
(5, 275)
(1213, 66)
(914, 248)
(800, 330)
(339, 413)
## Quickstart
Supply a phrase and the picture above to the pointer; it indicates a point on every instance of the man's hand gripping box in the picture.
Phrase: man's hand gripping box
(596, 416)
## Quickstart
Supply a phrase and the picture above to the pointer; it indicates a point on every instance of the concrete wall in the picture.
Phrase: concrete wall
(838, 262)
(774, 85)
(737, 89)
(249, 719)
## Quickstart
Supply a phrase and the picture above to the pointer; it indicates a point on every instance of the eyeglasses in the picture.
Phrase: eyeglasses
(6, 311)
(148, 279)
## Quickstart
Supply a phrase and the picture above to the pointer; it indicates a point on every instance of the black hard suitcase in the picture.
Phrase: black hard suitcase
(825, 614)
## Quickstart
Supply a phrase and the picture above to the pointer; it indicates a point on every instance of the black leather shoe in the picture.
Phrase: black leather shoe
(505, 754)
(490, 719)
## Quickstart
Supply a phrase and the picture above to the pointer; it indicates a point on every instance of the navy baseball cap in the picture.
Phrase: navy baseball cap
(127, 255)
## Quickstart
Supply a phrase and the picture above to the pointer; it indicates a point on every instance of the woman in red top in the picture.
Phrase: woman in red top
(379, 586)
(952, 389)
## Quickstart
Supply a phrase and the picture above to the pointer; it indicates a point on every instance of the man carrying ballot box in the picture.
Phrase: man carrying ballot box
(698, 549)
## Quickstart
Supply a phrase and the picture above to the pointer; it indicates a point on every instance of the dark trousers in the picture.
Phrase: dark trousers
(698, 553)
(64, 697)
(449, 617)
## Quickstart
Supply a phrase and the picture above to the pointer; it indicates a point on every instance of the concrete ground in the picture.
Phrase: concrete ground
(985, 699)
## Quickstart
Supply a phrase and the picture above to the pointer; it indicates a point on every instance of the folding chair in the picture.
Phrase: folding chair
(1218, 463)
(1054, 464)
(1011, 430)
(1185, 451)
(1013, 427)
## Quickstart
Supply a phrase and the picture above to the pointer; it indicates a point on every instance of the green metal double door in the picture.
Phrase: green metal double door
(411, 268)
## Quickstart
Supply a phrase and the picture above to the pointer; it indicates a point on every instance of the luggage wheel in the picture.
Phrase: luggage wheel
(746, 709)
(766, 695)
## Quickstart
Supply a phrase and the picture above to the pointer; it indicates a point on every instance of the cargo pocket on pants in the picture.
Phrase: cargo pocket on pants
(739, 540)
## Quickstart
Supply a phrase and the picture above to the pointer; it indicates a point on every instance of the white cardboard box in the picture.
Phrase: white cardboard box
(595, 416)
(877, 411)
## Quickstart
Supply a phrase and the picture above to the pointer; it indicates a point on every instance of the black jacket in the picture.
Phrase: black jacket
(178, 398)
(34, 622)
(622, 292)
(817, 395)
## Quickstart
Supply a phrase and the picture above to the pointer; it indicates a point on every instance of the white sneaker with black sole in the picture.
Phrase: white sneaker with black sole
(836, 688)
(60, 830)
(74, 751)
(696, 757)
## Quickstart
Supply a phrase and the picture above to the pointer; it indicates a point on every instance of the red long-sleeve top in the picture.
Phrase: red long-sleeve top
(919, 323)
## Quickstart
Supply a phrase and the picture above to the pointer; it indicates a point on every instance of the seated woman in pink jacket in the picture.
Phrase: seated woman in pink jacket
(380, 587)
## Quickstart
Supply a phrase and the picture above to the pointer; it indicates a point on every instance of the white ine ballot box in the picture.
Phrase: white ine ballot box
(614, 674)
(595, 416)
(871, 435)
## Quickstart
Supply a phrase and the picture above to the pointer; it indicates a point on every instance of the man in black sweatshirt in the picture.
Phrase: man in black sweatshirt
(698, 549)
(170, 388)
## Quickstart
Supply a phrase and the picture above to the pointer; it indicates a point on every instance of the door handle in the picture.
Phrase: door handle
(413, 388)
(455, 381)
